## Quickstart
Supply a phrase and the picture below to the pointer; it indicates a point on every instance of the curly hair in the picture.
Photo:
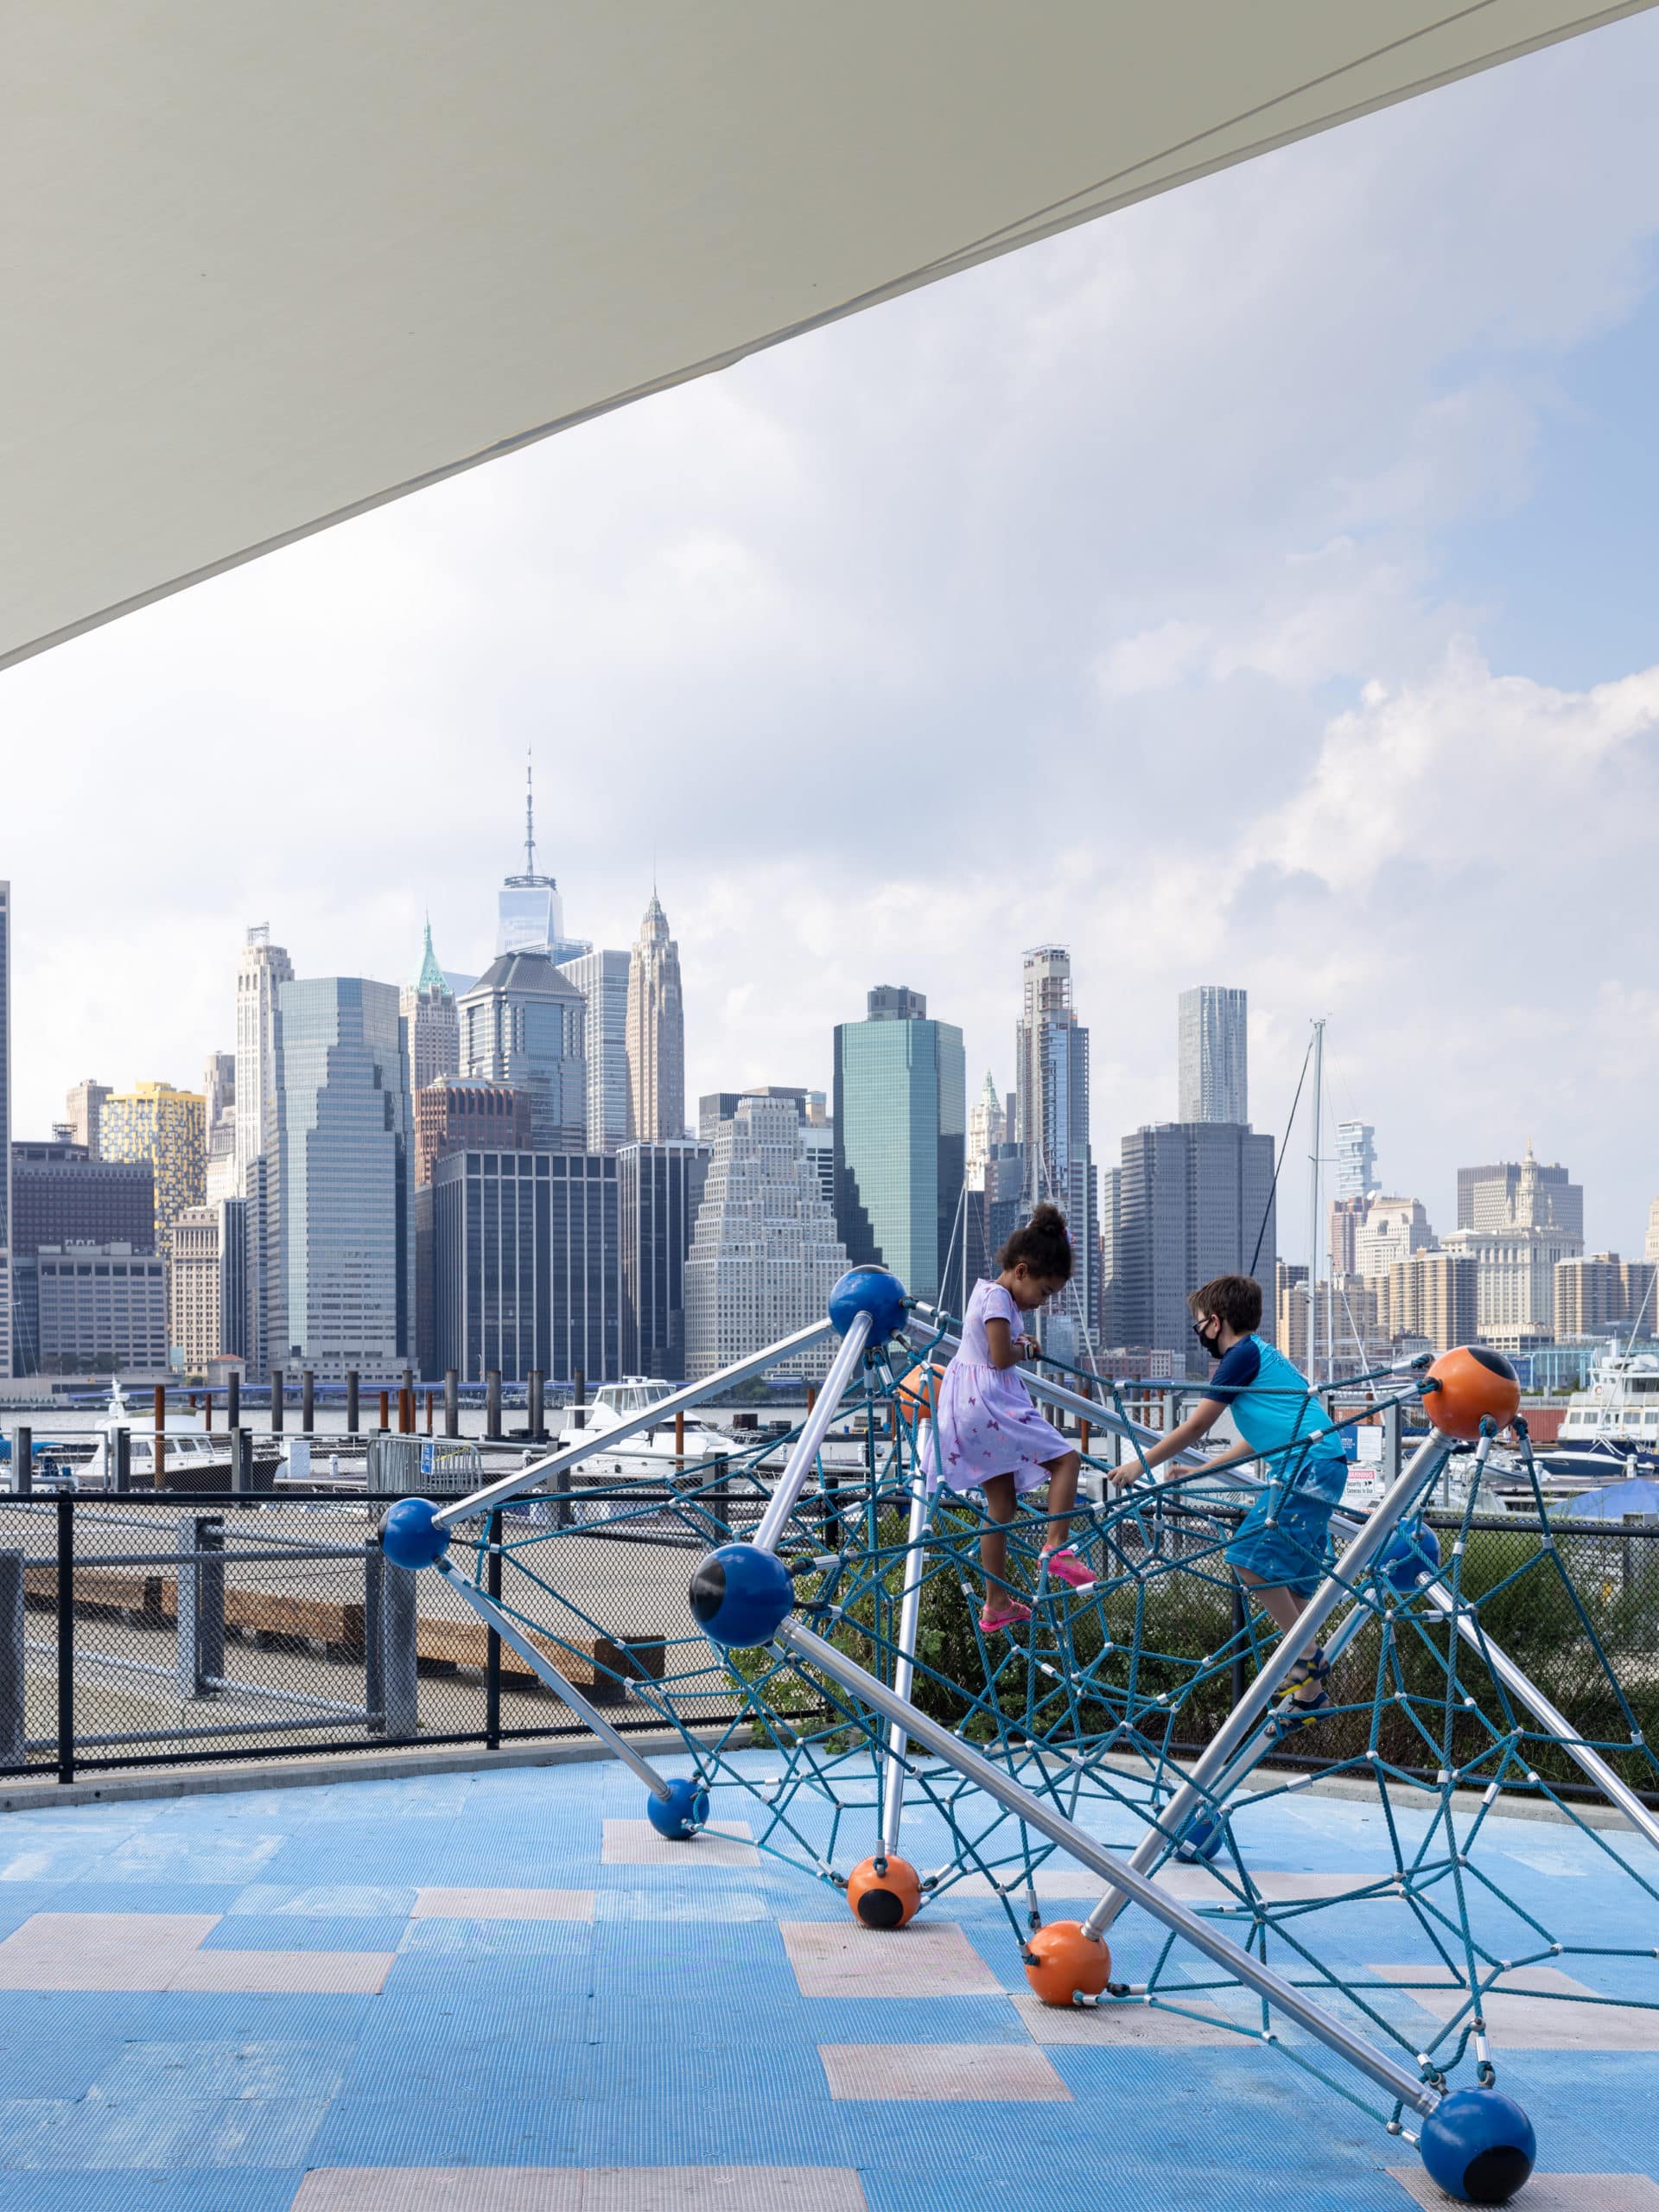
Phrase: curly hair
(1042, 1246)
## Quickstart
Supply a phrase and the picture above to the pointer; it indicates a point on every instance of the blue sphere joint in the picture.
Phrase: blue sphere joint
(410, 1536)
(682, 1813)
(742, 1596)
(1478, 2146)
(1201, 1840)
(1411, 1555)
(872, 1291)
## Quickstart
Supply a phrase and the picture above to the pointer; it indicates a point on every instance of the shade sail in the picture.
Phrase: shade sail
(264, 267)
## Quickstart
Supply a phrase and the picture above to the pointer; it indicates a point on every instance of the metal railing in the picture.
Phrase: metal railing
(153, 1629)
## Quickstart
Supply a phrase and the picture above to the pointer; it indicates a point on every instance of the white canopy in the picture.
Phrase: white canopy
(264, 266)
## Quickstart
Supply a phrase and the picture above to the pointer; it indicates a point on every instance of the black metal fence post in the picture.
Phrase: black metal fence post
(14, 1663)
(22, 1460)
(493, 1655)
(66, 1638)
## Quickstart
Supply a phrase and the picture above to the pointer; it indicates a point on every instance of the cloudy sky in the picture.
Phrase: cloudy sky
(1255, 587)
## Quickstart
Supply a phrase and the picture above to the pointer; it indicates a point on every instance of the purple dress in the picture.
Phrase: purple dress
(988, 1425)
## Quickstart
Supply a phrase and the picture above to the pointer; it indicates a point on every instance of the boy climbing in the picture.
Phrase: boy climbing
(1279, 1550)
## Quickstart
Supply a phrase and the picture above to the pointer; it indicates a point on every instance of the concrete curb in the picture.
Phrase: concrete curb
(465, 1758)
(315, 1773)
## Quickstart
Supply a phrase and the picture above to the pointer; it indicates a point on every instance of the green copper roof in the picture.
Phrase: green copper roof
(431, 975)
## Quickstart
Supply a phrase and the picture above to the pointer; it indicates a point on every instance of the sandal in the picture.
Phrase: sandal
(1009, 1616)
(1316, 1667)
(1302, 1712)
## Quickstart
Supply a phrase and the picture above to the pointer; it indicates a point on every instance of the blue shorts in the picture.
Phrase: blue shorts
(1290, 1554)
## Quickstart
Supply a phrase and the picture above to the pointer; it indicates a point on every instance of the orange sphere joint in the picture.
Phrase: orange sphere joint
(1062, 1962)
(917, 1391)
(1475, 1382)
(884, 1892)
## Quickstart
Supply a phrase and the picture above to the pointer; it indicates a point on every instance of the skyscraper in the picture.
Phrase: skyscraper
(602, 979)
(59, 1196)
(85, 1105)
(1195, 1200)
(900, 1121)
(656, 1032)
(168, 1128)
(1051, 1091)
(219, 1089)
(5, 1132)
(525, 1024)
(659, 1189)
(765, 1256)
(1214, 1055)
(263, 967)
(1355, 1160)
(530, 913)
(341, 1258)
(526, 1271)
(1520, 1194)
(427, 1006)
(194, 1288)
(987, 1127)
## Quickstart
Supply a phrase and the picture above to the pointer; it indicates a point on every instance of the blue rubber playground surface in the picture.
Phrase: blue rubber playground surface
(502, 1992)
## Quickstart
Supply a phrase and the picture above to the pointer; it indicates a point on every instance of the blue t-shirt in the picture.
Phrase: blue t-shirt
(1279, 1417)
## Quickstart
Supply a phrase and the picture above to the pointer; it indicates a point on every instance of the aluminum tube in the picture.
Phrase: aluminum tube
(904, 1666)
(801, 1643)
(798, 1467)
(485, 1501)
(1242, 1721)
(549, 1675)
(1100, 1412)
(1526, 1692)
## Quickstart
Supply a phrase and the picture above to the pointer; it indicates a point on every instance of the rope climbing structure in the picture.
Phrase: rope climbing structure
(828, 1668)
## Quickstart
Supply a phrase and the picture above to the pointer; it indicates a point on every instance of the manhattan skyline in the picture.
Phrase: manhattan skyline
(1198, 571)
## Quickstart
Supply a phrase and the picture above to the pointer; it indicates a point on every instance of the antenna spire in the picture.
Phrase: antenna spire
(530, 814)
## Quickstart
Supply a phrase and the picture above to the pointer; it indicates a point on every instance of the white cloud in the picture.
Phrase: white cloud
(1102, 594)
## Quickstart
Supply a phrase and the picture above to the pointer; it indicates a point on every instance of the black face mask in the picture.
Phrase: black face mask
(1212, 1348)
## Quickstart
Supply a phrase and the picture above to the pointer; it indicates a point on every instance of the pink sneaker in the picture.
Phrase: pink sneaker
(1064, 1566)
(993, 1621)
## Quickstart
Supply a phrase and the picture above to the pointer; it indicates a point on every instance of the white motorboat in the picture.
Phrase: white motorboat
(1611, 1428)
(650, 1454)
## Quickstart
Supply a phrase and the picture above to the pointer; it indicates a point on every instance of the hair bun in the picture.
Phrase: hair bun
(1047, 1217)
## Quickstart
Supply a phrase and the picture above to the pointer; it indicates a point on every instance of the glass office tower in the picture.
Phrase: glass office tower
(340, 1191)
(901, 1124)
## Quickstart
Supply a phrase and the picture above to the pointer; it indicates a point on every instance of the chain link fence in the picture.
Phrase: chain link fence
(139, 1630)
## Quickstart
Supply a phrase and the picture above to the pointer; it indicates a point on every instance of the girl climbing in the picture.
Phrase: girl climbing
(991, 1437)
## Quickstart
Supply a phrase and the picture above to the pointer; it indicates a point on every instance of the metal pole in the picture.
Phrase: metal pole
(492, 1614)
(275, 1401)
(66, 1639)
(451, 1401)
(1037, 1813)
(462, 1509)
(904, 1666)
(798, 1467)
(492, 1405)
(14, 1663)
(351, 1409)
(533, 1412)
(308, 1400)
(123, 1460)
(492, 1647)
(22, 1460)
(1313, 1208)
(233, 1400)
(1242, 1722)
(399, 1653)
